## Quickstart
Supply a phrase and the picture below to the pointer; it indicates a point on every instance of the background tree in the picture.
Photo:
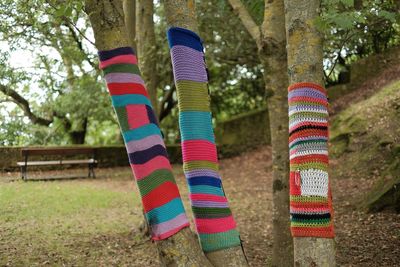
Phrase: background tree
(271, 41)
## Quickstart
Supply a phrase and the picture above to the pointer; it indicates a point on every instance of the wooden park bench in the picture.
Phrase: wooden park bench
(62, 156)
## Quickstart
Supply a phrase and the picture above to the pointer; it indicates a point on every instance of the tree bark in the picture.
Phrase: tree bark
(304, 53)
(271, 43)
(181, 13)
(146, 48)
(107, 19)
(273, 57)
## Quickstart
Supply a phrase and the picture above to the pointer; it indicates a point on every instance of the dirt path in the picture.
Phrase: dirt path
(362, 239)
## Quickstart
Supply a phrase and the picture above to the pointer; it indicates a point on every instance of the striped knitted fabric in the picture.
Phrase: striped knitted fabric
(144, 143)
(310, 196)
(212, 215)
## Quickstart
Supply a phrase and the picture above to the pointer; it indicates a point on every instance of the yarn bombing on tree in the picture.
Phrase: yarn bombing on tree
(311, 211)
(144, 143)
(212, 215)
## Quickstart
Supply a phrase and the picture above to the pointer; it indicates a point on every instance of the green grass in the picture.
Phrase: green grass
(58, 222)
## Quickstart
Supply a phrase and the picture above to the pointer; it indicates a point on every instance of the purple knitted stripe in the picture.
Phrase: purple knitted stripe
(143, 144)
(200, 204)
(118, 77)
(188, 64)
(307, 93)
(165, 227)
(196, 173)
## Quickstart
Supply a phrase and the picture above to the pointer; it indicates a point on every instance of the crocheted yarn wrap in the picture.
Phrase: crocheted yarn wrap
(144, 143)
(212, 215)
(311, 211)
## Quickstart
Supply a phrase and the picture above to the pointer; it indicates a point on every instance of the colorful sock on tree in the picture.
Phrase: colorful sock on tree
(311, 211)
(144, 143)
(213, 217)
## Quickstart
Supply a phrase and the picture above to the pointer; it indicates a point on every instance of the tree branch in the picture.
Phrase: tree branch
(24, 105)
(248, 22)
(164, 109)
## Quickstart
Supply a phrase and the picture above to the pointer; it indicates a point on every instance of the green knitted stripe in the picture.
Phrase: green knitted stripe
(304, 103)
(193, 96)
(312, 223)
(154, 180)
(203, 212)
(307, 142)
(308, 115)
(122, 118)
(218, 241)
(123, 68)
(309, 165)
(200, 165)
(317, 199)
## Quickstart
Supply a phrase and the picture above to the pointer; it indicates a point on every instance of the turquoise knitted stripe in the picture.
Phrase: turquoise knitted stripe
(206, 189)
(130, 99)
(212, 242)
(165, 212)
(195, 125)
(141, 132)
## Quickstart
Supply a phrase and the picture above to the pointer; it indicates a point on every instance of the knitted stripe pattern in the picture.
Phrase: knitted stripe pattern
(311, 210)
(213, 217)
(144, 143)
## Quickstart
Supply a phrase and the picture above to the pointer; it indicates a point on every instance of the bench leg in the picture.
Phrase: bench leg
(23, 173)
(91, 171)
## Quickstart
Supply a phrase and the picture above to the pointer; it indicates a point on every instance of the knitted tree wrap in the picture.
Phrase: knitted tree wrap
(212, 215)
(311, 210)
(144, 143)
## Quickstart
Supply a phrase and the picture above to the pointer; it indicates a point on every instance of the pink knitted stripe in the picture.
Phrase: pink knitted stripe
(128, 59)
(314, 210)
(207, 197)
(193, 150)
(215, 225)
(156, 163)
(169, 228)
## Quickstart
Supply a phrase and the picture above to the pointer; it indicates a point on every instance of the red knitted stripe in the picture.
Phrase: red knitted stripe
(145, 169)
(160, 196)
(307, 85)
(127, 88)
(326, 232)
(310, 158)
(296, 99)
(307, 133)
(199, 150)
(128, 59)
(215, 225)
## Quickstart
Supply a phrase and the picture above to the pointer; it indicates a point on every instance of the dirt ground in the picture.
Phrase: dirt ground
(362, 239)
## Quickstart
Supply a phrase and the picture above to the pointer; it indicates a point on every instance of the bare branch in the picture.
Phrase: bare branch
(24, 105)
(166, 104)
(248, 22)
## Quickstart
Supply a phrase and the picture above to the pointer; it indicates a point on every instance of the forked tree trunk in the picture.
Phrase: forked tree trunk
(304, 51)
(271, 42)
(107, 19)
(273, 57)
(181, 13)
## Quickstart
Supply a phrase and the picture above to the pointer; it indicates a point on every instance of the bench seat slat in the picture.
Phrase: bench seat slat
(57, 162)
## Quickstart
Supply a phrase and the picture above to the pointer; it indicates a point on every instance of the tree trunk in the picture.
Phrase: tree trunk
(273, 57)
(181, 13)
(304, 51)
(146, 48)
(107, 19)
(271, 42)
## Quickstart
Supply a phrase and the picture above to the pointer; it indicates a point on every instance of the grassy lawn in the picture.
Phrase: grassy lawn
(59, 223)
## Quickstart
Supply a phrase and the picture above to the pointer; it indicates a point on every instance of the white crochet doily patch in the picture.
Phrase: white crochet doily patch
(314, 183)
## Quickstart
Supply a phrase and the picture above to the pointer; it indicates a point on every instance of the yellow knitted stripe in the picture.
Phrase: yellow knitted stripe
(200, 165)
(193, 96)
